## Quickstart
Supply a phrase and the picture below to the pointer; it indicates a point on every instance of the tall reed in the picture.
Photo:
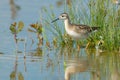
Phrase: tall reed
(101, 13)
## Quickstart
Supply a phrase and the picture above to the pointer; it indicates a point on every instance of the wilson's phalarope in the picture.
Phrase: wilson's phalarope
(74, 30)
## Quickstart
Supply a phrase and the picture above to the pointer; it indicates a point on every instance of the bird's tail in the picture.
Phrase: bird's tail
(94, 29)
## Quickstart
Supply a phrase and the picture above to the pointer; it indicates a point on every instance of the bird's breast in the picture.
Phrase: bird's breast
(72, 31)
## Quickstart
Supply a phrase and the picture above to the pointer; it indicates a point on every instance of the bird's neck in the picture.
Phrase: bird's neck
(67, 23)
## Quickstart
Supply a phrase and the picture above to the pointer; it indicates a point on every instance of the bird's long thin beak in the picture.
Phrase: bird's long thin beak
(55, 20)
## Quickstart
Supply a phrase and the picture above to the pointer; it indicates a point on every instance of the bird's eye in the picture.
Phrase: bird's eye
(62, 16)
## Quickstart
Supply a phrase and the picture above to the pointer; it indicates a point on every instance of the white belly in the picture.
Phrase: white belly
(76, 35)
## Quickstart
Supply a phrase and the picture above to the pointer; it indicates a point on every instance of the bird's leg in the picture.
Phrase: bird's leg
(78, 46)
(87, 45)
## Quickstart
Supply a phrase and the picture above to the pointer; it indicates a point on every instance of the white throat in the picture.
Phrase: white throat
(67, 24)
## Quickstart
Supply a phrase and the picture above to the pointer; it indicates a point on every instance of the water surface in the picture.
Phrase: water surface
(44, 63)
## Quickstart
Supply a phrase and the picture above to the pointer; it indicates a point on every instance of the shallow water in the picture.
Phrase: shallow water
(44, 63)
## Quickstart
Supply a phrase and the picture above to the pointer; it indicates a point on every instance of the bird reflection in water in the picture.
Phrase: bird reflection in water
(76, 66)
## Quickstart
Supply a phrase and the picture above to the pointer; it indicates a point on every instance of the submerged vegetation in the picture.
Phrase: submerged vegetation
(16, 28)
(37, 28)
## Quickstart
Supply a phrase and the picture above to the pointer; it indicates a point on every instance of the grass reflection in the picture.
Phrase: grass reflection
(14, 9)
(15, 74)
(38, 52)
